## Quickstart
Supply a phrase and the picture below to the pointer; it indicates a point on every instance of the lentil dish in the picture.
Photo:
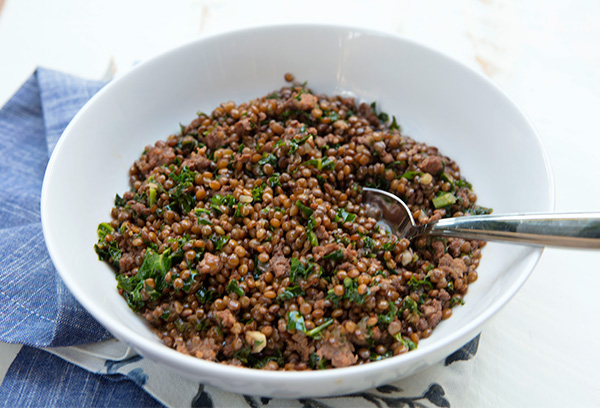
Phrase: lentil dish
(244, 239)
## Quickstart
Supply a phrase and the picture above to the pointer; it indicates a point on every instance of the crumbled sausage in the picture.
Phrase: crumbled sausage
(158, 155)
(432, 164)
(198, 162)
(341, 354)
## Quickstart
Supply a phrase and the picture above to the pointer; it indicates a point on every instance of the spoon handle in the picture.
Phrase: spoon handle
(575, 230)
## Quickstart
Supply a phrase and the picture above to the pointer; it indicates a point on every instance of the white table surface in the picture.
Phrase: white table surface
(543, 348)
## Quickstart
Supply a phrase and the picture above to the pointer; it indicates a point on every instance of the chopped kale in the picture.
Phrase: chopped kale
(298, 269)
(119, 202)
(295, 321)
(155, 266)
(337, 255)
(409, 344)
(410, 175)
(306, 210)
(178, 194)
(257, 192)
(344, 216)
(291, 292)
(321, 164)
(219, 241)
(234, 286)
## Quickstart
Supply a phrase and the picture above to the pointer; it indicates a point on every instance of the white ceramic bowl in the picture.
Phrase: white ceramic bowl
(435, 99)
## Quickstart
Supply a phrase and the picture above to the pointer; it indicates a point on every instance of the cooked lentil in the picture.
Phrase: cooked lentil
(244, 239)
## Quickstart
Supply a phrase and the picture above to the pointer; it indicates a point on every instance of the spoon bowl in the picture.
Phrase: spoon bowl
(573, 230)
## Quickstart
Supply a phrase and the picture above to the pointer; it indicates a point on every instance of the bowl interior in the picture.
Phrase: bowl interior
(434, 98)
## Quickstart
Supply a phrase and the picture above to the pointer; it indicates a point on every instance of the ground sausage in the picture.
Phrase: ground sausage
(341, 354)
(432, 164)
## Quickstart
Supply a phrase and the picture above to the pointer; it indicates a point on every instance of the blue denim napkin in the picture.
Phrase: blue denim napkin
(37, 310)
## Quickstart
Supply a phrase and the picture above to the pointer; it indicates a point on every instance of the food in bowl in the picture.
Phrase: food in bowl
(244, 238)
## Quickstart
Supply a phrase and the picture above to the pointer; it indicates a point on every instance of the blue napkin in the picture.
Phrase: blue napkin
(37, 310)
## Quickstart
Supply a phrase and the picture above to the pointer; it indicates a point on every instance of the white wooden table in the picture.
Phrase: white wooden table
(541, 350)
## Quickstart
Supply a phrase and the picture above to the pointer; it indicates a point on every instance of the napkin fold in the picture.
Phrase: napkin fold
(69, 359)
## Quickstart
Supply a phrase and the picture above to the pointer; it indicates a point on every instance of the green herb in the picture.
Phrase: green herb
(119, 202)
(268, 159)
(187, 284)
(181, 326)
(415, 284)
(246, 356)
(337, 255)
(103, 230)
(321, 164)
(383, 117)
(310, 234)
(287, 114)
(184, 180)
(219, 241)
(394, 124)
(294, 144)
(410, 175)
(343, 240)
(409, 344)
(204, 221)
(344, 216)
(273, 96)
(306, 210)
(443, 200)
(274, 180)
(410, 304)
(166, 313)
(204, 295)
(217, 201)
(460, 183)
(238, 210)
(316, 332)
(241, 148)
(200, 211)
(203, 324)
(378, 357)
(389, 246)
(295, 321)
(107, 250)
(291, 292)
(312, 238)
(257, 192)
(479, 210)
(298, 269)
(368, 242)
(390, 315)
(350, 293)
(455, 301)
(234, 286)
(331, 114)
(316, 362)
(155, 266)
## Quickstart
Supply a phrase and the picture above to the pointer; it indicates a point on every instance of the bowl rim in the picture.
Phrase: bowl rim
(192, 364)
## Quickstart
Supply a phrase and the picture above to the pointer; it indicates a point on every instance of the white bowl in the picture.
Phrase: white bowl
(435, 99)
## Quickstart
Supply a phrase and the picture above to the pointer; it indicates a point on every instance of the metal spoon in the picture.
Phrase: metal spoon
(575, 230)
